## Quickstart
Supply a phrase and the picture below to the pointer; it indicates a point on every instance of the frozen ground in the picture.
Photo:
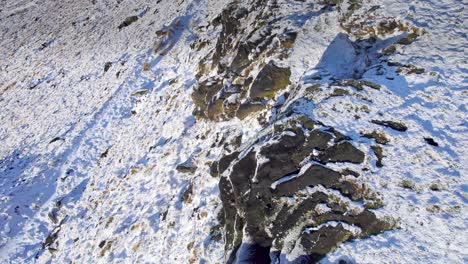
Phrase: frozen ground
(88, 156)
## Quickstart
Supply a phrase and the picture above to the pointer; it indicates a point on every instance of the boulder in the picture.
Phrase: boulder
(270, 80)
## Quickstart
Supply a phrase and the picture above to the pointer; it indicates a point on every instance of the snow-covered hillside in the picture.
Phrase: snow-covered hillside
(187, 131)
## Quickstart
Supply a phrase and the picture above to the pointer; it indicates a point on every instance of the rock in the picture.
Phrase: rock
(389, 51)
(163, 40)
(288, 39)
(372, 85)
(187, 167)
(53, 216)
(344, 59)
(324, 240)
(107, 66)
(338, 135)
(249, 50)
(205, 91)
(214, 111)
(246, 109)
(377, 136)
(255, 179)
(416, 70)
(128, 21)
(105, 153)
(410, 38)
(407, 184)
(318, 139)
(51, 238)
(187, 195)
(339, 92)
(378, 151)
(101, 244)
(241, 48)
(391, 124)
(360, 84)
(139, 92)
(431, 141)
(436, 186)
(230, 26)
(55, 139)
(270, 80)
(313, 176)
(218, 167)
(241, 60)
(107, 246)
(342, 152)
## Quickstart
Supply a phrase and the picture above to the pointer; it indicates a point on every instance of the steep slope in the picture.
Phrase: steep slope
(202, 131)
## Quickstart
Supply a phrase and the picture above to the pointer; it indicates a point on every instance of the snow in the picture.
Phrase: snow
(98, 153)
(135, 183)
(431, 104)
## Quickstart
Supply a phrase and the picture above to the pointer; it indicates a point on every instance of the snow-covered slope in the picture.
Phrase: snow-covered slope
(107, 136)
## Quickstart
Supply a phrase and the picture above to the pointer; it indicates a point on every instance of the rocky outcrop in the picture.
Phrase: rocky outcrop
(278, 192)
(251, 43)
(284, 200)
(270, 80)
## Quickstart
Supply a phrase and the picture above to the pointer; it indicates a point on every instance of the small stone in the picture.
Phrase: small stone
(128, 21)
(378, 151)
(431, 141)
(435, 187)
(378, 137)
(339, 92)
(190, 245)
(53, 216)
(139, 92)
(391, 124)
(187, 167)
(187, 195)
(407, 184)
(389, 51)
(107, 66)
(101, 244)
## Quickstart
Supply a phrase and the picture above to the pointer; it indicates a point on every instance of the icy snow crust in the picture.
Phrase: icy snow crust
(85, 158)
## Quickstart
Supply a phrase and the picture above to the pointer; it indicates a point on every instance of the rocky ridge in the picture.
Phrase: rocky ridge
(277, 187)
(232, 131)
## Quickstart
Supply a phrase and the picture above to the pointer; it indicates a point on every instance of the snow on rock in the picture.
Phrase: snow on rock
(122, 122)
